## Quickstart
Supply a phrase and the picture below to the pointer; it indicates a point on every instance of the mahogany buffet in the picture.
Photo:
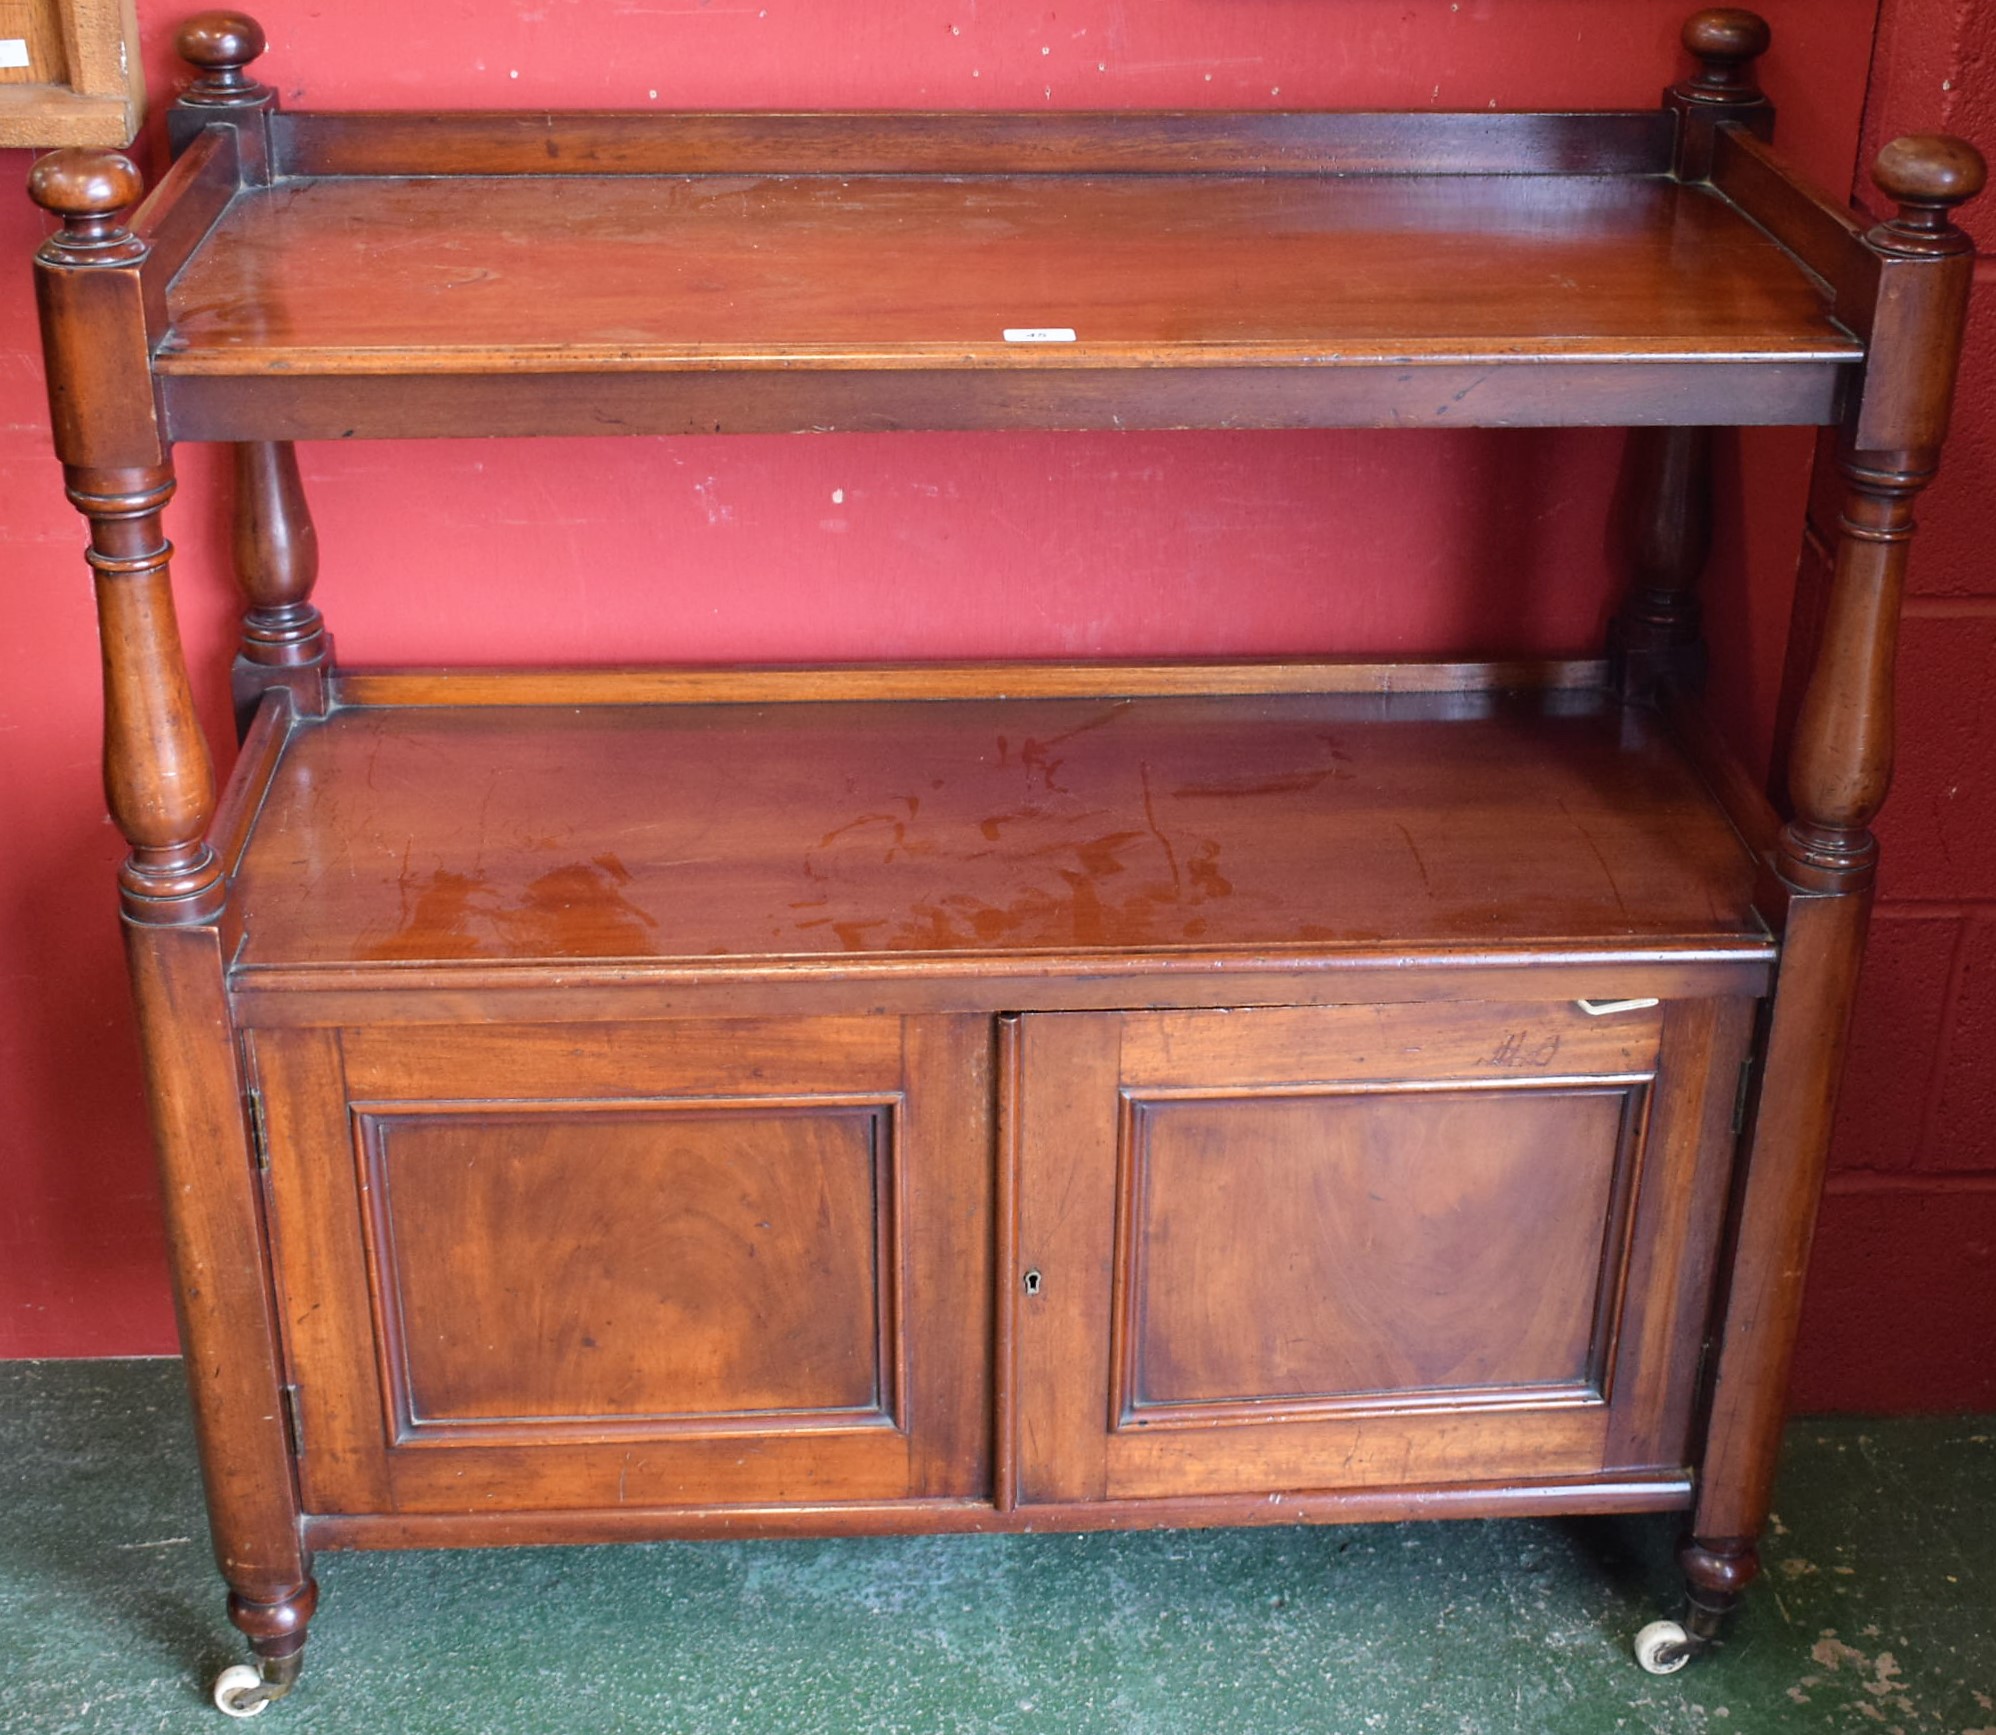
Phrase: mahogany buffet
(679, 1102)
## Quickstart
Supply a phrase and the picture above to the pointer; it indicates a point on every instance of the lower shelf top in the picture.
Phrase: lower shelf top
(989, 828)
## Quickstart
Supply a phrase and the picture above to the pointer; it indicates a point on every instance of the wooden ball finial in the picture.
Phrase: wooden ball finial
(1726, 41)
(221, 45)
(1727, 33)
(87, 189)
(1930, 169)
(84, 183)
(1927, 175)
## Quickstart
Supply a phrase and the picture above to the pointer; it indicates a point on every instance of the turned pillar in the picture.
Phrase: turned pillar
(284, 641)
(1840, 766)
(160, 786)
(158, 779)
(1656, 638)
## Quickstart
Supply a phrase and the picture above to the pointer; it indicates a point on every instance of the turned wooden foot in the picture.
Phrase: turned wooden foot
(276, 1632)
(1717, 1571)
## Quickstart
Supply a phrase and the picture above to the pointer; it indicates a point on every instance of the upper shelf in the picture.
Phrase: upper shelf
(380, 275)
(307, 276)
(331, 276)
(664, 273)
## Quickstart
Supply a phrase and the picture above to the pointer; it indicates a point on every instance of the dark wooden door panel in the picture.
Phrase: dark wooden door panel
(1289, 1254)
(1296, 1249)
(698, 1263)
(726, 1262)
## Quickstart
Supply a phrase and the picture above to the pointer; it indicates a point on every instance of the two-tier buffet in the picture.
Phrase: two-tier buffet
(643, 1102)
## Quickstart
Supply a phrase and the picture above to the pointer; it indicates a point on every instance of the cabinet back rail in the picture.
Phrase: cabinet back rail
(811, 683)
(971, 143)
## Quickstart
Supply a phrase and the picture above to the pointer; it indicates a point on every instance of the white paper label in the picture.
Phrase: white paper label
(1038, 334)
(13, 51)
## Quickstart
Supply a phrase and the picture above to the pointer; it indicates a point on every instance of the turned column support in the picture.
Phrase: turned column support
(1657, 637)
(1840, 767)
(158, 779)
(1840, 762)
(160, 787)
(284, 642)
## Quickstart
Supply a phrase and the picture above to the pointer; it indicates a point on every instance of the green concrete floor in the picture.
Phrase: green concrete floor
(1877, 1612)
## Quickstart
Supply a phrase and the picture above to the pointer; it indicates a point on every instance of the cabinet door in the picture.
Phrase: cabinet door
(685, 1263)
(1363, 1247)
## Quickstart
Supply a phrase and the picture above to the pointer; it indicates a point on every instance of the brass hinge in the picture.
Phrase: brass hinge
(294, 1427)
(1741, 1096)
(259, 1127)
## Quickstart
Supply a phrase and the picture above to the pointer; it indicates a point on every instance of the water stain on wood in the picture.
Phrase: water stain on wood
(460, 915)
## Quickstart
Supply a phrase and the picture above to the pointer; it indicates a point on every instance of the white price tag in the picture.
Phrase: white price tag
(13, 51)
(1039, 334)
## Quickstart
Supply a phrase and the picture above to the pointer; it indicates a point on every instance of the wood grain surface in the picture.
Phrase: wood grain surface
(982, 830)
(681, 1260)
(1287, 1253)
(970, 142)
(1368, 1245)
(717, 1261)
(621, 274)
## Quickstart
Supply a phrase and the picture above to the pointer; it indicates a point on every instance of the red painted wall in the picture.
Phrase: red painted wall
(952, 545)
(1902, 1303)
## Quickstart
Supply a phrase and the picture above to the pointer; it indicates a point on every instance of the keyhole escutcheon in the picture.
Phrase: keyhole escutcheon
(1033, 1282)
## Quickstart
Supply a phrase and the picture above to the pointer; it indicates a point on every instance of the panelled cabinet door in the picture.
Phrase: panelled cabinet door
(685, 1263)
(1364, 1246)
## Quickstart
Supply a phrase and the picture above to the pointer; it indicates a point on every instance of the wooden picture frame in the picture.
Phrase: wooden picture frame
(69, 73)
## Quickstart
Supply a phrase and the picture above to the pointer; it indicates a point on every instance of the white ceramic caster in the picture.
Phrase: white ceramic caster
(1663, 1647)
(239, 1691)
